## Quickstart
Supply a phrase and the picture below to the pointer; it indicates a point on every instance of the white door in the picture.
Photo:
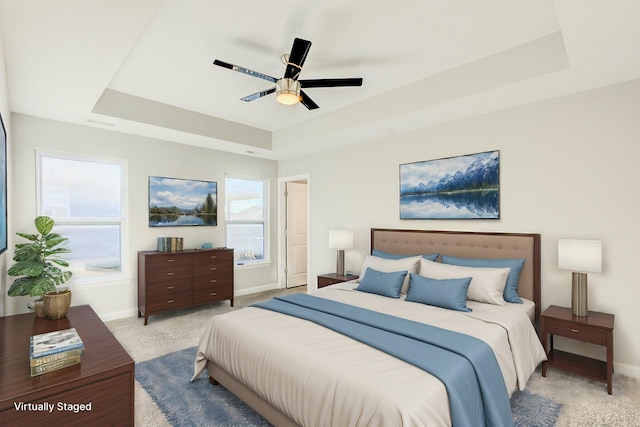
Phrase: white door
(296, 233)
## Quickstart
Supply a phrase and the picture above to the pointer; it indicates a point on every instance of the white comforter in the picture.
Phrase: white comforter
(321, 378)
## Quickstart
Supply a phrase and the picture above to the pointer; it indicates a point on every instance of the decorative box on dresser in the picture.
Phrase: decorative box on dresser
(174, 280)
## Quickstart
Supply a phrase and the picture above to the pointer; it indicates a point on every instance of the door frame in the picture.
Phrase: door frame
(282, 223)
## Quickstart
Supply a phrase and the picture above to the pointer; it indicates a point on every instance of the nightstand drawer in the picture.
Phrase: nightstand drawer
(323, 281)
(333, 278)
(577, 331)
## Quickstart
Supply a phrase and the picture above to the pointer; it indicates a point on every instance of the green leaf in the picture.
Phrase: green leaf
(27, 268)
(54, 239)
(32, 237)
(27, 253)
(44, 224)
(62, 278)
(59, 262)
(34, 286)
(58, 251)
(20, 287)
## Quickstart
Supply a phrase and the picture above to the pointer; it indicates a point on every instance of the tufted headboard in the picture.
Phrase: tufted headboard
(470, 244)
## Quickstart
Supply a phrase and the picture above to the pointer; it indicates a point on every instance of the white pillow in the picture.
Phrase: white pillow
(390, 265)
(487, 284)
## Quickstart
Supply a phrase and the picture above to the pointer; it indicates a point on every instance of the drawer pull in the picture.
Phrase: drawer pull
(213, 281)
(170, 260)
(170, 301)
(575, 331)
(170, 274)
(213, 256)
(213, 294)
(169, 287)
(213, 268)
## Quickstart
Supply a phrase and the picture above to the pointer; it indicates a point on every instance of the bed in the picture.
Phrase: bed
(296, 372)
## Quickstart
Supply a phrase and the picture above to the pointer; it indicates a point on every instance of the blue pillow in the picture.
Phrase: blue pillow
(387, 255)
(385, 284)
(515, 264)
(445, 293)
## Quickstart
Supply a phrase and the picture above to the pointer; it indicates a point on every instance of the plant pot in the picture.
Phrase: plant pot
(56, 304)
(38, 307)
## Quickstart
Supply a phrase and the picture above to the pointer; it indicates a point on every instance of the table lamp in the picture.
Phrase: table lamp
(340, 240)
(581, 257)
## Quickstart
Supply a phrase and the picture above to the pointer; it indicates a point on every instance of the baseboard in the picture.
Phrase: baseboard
(256, 289)
(105, 317)
(628, 370)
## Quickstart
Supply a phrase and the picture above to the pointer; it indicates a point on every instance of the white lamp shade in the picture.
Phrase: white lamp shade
(581, 256)
(340, 239)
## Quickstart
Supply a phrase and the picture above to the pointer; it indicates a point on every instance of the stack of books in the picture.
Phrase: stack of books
(170, 244)
(54, 350)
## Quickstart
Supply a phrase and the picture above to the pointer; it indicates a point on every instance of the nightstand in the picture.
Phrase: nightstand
(596, 328)
(333, 278)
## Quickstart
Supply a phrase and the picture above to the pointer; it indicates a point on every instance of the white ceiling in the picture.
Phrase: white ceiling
(145, 66)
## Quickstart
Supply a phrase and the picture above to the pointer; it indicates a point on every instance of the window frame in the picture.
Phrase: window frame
(122, 220)
(266, 194)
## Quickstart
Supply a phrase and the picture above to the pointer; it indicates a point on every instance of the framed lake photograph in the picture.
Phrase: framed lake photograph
(462, 187)
(182, 202)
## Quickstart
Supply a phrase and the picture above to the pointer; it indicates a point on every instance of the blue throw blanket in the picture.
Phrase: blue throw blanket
(465, 365)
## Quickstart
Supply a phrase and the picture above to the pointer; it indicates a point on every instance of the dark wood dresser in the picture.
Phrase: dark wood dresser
(174, 280)
(98, 391)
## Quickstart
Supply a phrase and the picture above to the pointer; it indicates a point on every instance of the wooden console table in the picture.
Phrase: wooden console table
(104, 378)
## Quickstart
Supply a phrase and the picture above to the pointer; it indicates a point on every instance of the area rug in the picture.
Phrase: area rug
(198, 403)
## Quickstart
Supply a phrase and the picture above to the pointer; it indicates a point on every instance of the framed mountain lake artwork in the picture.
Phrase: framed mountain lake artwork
(182, 202)
(462, 187)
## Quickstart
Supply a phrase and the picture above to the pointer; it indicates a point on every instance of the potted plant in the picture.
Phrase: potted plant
(39, 265)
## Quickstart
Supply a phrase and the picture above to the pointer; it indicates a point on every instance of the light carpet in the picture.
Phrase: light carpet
(199, 403)
(585, 403)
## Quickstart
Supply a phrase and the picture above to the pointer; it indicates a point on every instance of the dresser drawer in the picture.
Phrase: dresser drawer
(205, 282)
(212, 269)
(208, 257)
(174, 272)
(212, 293)
(165, 260)
(580, 332)
(170, 287)
(169, 301)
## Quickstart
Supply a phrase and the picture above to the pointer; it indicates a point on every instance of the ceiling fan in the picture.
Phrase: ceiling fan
(288, 89)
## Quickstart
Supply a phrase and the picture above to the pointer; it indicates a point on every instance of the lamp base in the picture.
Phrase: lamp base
(579, 295)
(340, 263)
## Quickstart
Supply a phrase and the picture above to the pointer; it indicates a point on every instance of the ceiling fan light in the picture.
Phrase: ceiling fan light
(288, 91)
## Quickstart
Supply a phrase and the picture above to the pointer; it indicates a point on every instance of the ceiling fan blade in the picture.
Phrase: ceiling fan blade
(307, 102)
(330, 82)
(244, 71)
(258, 94)
(298, 54)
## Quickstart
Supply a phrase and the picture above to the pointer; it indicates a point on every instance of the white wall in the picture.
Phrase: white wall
(145, 157)
(569, 169)
(6, 118)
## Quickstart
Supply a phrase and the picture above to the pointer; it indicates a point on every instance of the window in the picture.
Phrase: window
(86, 196)
(245, 214)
